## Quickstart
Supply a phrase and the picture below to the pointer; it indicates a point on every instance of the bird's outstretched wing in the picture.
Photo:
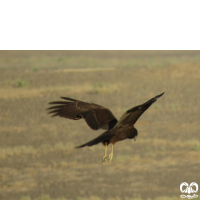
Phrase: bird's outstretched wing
(131, 116)
(96, 116)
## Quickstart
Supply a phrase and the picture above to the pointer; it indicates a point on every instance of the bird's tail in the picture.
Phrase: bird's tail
(101, 138)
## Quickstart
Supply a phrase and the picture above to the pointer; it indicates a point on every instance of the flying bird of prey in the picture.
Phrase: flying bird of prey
(99, 117)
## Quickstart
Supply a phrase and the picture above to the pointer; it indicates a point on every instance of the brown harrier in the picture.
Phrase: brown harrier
(99, 117)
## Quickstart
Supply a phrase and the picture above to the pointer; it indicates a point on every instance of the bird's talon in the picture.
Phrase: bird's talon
(110, 156)
(104, 159)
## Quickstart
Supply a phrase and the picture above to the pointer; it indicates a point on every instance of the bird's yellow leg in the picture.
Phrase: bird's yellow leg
(105, 156)
(111, 155)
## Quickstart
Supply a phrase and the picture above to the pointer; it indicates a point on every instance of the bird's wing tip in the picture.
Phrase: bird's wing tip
(78, 147)
(67, 98)
(160, 95)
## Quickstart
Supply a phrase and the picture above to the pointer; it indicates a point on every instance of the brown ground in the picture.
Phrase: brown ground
(37, 158)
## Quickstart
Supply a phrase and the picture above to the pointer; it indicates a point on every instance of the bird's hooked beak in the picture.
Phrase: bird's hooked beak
(135, 138)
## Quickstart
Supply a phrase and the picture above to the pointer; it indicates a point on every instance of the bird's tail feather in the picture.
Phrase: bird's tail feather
(103, 137)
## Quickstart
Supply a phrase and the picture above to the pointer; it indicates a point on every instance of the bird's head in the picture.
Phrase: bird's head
(133, 134)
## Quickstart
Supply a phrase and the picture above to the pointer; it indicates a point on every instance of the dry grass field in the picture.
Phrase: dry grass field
(37, 158)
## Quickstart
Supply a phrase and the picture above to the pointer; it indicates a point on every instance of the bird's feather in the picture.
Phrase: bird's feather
(101, 138)
(132, 115)
(96, 116)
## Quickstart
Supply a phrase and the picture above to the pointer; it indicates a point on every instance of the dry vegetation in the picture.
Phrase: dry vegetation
(37, 158)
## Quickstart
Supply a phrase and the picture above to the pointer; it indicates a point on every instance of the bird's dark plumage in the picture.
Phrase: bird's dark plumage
(131, 116)
(104, 137)
(98, 117)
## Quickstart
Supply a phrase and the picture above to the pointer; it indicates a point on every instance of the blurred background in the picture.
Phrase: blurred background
(37, 156)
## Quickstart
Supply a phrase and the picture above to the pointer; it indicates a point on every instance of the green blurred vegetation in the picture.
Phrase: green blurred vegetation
(37, 60)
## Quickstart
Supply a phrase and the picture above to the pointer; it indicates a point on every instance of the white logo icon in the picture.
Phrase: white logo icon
(192, 188)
